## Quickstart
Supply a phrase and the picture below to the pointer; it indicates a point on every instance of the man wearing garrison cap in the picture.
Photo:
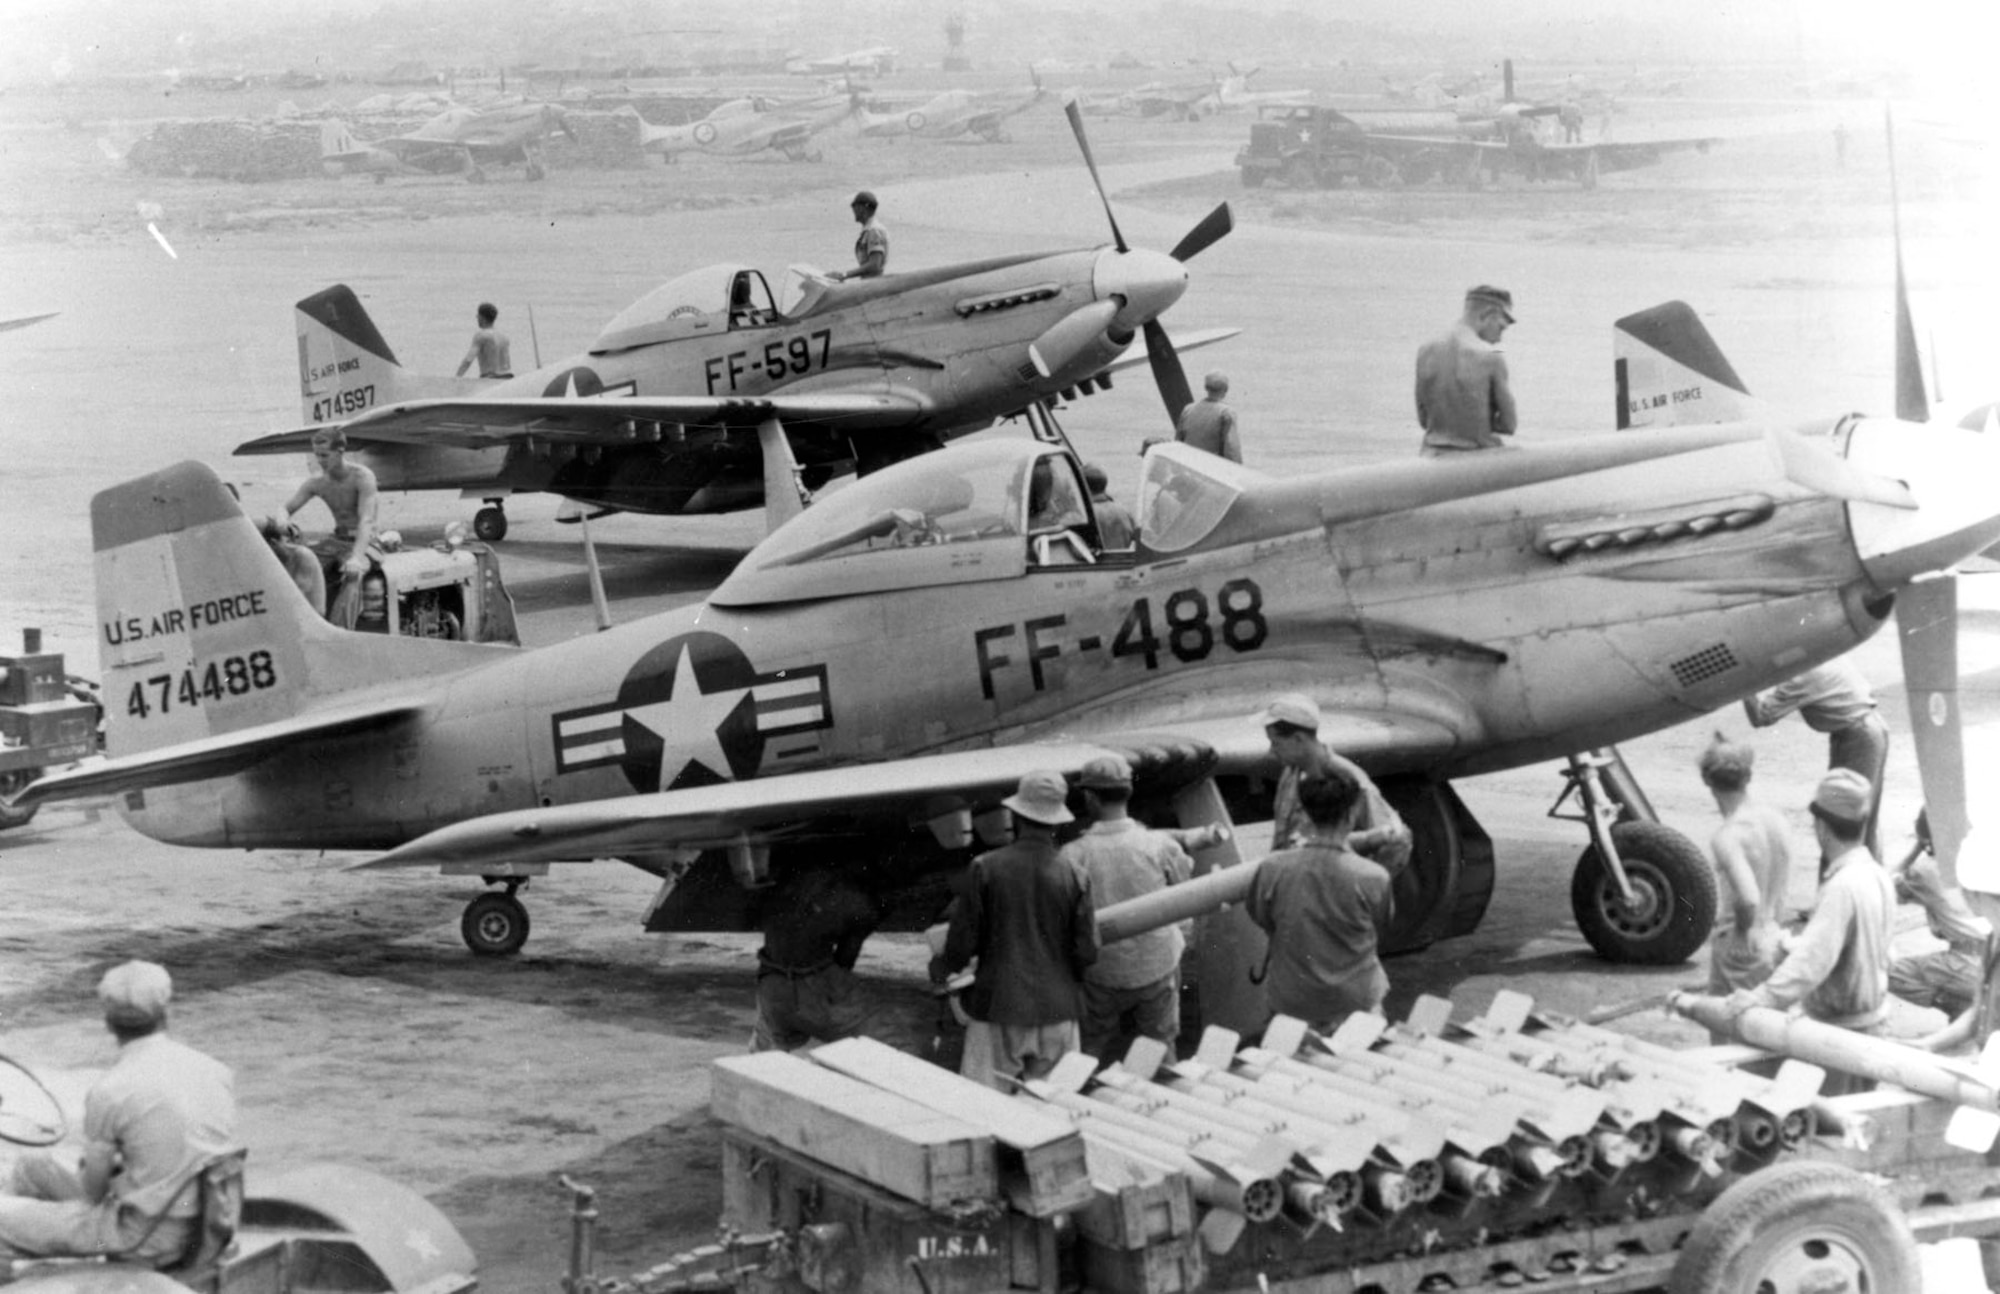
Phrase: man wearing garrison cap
(1838, 966)
(149, 1124)
(1463, 398)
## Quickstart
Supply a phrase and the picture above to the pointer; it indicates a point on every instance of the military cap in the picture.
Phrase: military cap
(135, 993)
(1294, 708)
(1842, 797)
(1486, 295)
(1107, 772)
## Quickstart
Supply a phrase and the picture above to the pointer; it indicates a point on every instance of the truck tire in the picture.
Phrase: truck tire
(1252, 177)
(1379, 172)
(10, 783)
(1799, 1225)
(1675, 888)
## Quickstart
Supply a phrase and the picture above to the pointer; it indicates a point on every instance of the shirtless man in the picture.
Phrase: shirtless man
(348, 490)
(1753, 859)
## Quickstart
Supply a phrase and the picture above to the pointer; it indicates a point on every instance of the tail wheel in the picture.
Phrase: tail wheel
(489, 524)
(494, 925)
(1796, 1226)
(1673, 897)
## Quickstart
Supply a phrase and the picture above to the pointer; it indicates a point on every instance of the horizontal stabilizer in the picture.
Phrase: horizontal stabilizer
(217, 756)
(1670, 373)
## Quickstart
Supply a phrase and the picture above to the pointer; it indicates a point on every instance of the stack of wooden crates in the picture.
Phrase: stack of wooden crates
(898, 1177)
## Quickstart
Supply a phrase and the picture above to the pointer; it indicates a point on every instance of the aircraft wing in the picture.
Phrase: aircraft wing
(596, 420)
(216, 756)
(771, 808)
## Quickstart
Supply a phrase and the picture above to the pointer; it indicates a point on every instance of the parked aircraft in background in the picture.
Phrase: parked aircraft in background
(877, 60)
(1184, 100)
(340, 153)
(955, 114)
(744, 127)
(678, 405)
(1234, 91)
(505, 135)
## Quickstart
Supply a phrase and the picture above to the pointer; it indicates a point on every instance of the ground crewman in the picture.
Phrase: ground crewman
(1464, 401)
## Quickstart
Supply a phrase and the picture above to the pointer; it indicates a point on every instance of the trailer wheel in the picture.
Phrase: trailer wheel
(1797, 1226)
(1673, 890)
(10, 783)
(494, 925)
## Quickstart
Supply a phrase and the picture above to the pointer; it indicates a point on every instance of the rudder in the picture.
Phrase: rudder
(201, 630)
(345, 365)
(1669, 372)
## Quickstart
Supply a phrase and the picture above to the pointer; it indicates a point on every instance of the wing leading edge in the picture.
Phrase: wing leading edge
(596, 420)
(920, 786)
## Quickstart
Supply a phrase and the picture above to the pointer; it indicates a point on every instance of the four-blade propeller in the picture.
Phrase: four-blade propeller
(1168, 374)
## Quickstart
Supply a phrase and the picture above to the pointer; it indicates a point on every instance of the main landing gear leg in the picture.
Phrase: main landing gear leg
(496, 923)
(489, 524)
(1642, 892)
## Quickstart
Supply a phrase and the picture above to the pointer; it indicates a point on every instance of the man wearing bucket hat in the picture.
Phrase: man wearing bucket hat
(1838, 966)
(149, 1124)
(1292, 723)
(1136, 980)
(1027, 915)
(1464, 401)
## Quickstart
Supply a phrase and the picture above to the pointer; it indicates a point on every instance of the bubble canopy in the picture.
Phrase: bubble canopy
(957, 516)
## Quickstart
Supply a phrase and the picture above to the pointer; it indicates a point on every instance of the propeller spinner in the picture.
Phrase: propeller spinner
(1143, 283)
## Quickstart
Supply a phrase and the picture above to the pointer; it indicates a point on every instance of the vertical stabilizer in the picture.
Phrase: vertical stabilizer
(1670, 373)
(346, 366)
(201, 631)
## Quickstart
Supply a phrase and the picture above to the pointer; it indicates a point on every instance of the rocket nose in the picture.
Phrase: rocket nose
(1949, 473)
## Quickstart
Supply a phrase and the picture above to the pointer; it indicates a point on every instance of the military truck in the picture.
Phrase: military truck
(1310, 148)
(48, 718)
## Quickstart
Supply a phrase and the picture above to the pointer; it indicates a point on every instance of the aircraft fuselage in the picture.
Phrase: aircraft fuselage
(1695, 577)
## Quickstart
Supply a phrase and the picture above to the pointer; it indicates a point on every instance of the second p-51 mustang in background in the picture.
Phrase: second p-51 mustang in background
(674, 407)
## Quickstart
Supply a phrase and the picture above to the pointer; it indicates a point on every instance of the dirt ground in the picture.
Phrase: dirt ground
(359, 1028)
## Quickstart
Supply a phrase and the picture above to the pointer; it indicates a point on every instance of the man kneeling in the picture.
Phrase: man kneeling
(150, 1122)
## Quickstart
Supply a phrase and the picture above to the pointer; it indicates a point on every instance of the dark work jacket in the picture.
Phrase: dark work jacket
(1028, 916)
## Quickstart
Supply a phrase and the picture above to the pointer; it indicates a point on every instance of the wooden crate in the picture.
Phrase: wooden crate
(1164, 1267)
(1138, 1214)
(1042, 1166)
(877, 1136)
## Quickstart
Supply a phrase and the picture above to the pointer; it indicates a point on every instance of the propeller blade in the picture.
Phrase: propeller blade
(1167, 372)
(1912, 402)
(1213, 227)
(1075, 115)
(1927, 625)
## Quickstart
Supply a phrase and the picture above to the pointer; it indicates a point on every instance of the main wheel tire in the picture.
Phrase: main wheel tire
(10, 783)
(1797, 1226)
(494, 925)
(1673, 888)
(489, 524)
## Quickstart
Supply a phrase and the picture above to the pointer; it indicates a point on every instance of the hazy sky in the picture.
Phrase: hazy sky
(1937, 39)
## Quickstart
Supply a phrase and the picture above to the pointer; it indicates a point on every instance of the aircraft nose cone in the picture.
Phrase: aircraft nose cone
(1149, 282)
(1949, 472)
